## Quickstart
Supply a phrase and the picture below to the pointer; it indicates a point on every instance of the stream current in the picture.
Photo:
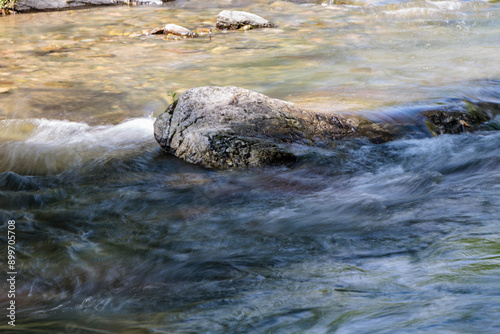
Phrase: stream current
(113, 235)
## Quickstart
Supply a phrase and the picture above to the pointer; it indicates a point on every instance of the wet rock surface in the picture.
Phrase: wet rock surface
(235, 127)
(174, 29)
(448, 117)
(231, 20)
(463, 117)
(46, 5)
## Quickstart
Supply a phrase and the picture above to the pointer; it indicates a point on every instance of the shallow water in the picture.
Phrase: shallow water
(115, 236)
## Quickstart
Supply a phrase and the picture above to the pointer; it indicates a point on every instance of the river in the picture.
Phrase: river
(113, 235)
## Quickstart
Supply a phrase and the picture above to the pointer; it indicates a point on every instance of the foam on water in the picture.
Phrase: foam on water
(41, 146)
(357, 238)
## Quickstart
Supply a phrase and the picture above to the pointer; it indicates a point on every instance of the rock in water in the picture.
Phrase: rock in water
(174, 29)
(43, 5)
(236, 127)
(237, 19)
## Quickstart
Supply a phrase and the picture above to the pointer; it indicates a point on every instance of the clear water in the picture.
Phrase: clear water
(115, 236)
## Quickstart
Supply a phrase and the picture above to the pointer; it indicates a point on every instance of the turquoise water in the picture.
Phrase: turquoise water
(115, 236)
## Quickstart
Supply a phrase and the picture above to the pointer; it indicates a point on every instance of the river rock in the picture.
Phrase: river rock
(230, 20)
(236, 127)
(174, 29)
(203, 31)
(460, 116)
(44, 5)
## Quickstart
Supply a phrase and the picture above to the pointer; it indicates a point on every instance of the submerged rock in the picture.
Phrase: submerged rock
(174, 29)
(231, 126)
(231, 20)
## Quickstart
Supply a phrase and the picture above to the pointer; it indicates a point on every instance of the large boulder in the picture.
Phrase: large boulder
(236, 127)
(230, 20)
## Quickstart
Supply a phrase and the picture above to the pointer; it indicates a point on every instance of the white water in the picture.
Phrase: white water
(40, 146)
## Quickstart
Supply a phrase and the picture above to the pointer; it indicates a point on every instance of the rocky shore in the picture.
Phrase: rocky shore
(222, 127)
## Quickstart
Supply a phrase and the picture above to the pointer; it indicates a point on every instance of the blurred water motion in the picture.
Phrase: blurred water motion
(115, 236)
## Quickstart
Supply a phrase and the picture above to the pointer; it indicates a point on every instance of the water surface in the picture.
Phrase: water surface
(115, 236)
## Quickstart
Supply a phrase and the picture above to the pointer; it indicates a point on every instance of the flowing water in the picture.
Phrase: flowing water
(115, 236)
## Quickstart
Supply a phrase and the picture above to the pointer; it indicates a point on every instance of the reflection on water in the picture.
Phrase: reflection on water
(116, 236)
(354, 56)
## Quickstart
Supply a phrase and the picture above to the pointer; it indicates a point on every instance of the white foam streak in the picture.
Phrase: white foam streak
(43, 146)
(64, 133)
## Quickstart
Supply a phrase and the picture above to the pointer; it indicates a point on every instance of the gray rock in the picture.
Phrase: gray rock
(237, 19)
(43, 5)
(174, 29)
(236, 127)
(453, 116)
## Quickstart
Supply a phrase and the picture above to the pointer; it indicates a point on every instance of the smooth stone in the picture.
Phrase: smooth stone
(236, 127)
(174, 29)
(232, 20)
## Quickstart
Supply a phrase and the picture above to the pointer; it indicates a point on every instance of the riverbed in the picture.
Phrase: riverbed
(113, 235)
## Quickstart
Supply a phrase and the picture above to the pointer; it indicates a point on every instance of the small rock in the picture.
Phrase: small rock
(174, 29)
(157, 31)
(231, 20)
